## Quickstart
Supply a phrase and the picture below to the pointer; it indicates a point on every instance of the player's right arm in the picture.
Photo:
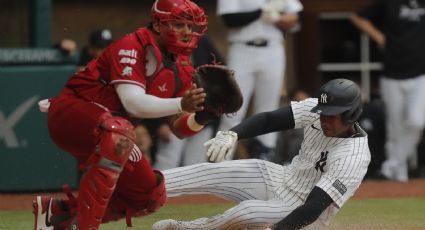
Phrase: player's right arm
(139, 104)
(266, 122)
(367, 18)
(221, 147)
(366, 26)
(297, 115)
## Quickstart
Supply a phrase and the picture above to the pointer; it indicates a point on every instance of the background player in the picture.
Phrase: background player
(329, 168)
(255, 30)
(399, 28)
(145, 74)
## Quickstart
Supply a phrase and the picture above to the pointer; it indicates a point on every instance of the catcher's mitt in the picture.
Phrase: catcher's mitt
(223, 93)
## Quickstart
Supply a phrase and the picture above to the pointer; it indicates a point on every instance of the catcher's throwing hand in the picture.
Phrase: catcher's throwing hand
(221, 147)
(193, 100)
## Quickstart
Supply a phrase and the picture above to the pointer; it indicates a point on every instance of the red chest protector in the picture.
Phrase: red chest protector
(164, 77)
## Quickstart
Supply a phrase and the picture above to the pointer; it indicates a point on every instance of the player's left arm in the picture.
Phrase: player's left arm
(317, 201)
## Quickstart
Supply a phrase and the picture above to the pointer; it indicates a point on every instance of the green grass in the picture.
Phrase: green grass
(406, 213)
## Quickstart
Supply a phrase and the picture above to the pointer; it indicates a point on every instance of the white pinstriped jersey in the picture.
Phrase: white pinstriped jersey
(336, 165)
(268, 192)
(257, 28)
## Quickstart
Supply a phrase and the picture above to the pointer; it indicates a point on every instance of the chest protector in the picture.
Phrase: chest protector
(165, 78)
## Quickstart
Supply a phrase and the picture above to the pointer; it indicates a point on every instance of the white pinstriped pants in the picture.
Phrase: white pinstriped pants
(255, 184)
(181, 152)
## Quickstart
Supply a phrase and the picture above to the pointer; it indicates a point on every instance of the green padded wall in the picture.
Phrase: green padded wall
(29, 161)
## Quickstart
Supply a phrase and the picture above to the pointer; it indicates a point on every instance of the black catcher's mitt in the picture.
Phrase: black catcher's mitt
(223, 93)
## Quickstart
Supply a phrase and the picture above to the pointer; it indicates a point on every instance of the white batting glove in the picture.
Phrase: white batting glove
(220, 148)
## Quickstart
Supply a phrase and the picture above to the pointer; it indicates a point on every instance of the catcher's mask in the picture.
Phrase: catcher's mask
(183, 11)
(340, 96)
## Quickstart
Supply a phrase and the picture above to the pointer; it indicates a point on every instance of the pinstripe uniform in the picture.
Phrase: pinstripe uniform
(268, 192)
(259, 71)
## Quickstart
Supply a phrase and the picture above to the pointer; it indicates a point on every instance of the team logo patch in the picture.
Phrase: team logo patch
(314, 127)
(340, 187)
(320, 164)
(128, 53)
(323, 98)
(127, 71)
(163, 87)
(127, 60)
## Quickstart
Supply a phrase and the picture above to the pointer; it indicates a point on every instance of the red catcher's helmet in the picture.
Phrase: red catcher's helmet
(164, 11)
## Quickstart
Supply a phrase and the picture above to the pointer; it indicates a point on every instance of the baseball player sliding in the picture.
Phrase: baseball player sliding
(329, 168)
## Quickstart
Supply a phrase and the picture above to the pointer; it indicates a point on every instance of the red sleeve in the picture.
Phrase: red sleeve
(124, 62)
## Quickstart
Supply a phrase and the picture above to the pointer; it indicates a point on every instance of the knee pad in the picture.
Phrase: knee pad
(117, 138)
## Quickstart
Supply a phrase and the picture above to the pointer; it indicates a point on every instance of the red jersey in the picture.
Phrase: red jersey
(126, 61)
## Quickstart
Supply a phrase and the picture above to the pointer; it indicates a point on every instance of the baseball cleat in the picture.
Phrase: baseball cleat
(42, 209)
(168, 225)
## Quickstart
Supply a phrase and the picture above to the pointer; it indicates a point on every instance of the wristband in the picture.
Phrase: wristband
(187, 125)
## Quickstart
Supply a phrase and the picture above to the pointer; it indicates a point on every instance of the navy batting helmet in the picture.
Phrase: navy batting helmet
(340, 96)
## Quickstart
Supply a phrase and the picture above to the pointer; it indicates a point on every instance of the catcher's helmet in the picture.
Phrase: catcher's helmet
(340, 96)
(164, 11)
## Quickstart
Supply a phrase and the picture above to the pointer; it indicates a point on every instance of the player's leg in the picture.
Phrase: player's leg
(268, 85)
(415, 117)
(140, 191)
(395, 165)
(101, 143)
(116, 141)
(255, 183)
(233, 180)
(169, 153)
(194, 151)
(250, 214)
(243, 60)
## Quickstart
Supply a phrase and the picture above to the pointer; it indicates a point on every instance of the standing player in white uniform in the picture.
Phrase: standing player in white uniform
(329, 168)
(255, 30)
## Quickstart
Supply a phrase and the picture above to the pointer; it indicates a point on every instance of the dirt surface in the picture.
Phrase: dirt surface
(369, 189)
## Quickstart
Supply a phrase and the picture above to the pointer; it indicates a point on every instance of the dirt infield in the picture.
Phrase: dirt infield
(369, 189)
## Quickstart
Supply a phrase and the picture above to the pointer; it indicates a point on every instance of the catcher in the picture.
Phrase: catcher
(146, 74)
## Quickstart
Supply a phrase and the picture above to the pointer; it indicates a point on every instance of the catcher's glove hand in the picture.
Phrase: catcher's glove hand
(223, 93)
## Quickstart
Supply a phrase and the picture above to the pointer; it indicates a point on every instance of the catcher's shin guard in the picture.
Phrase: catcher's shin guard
(98, 182)
(148, 203)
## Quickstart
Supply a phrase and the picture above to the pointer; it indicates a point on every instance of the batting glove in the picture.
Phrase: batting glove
(221, 147)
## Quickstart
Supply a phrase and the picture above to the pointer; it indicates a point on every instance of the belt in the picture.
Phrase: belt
(257, 43)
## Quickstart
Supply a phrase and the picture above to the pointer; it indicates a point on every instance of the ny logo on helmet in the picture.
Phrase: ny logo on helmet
(324, 98)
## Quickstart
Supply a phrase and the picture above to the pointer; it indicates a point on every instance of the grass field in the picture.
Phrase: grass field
(376, 214)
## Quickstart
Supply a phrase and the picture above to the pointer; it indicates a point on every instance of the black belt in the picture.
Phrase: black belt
(257, 43)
